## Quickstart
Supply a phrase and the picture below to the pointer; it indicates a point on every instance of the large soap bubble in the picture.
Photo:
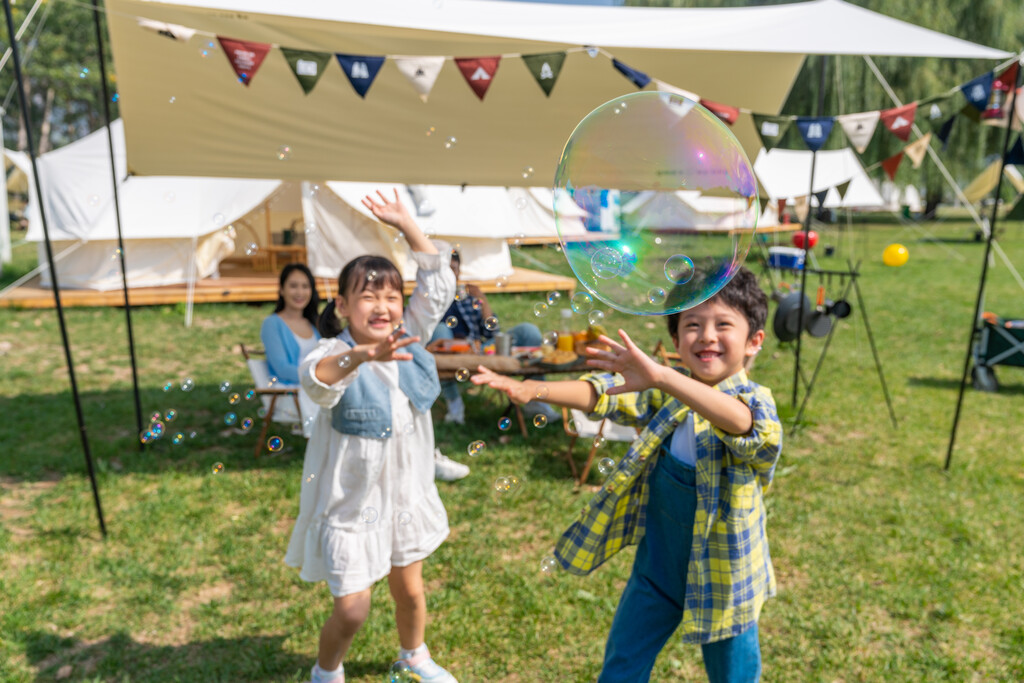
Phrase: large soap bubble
(668, 198)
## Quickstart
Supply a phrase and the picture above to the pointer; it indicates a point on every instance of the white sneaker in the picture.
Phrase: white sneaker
(447, 469)
(423, 668)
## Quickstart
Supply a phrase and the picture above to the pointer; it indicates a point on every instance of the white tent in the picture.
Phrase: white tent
(786, 174)
(688, 210)
(187, 113)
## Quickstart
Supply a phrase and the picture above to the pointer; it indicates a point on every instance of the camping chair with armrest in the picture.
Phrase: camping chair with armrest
(581, 426)
(256, 360)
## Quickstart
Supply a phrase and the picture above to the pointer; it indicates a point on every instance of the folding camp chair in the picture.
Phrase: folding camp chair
(256, 360)
(1001, 343)
(581, 426)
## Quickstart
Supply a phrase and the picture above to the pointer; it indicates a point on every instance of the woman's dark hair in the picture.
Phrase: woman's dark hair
(741, 293)
(355, 278)
(309, 312)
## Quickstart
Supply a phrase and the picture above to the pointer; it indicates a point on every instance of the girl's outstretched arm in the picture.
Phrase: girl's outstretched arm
(394, 213)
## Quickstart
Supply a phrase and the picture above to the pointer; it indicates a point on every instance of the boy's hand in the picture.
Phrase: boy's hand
(392, 212)
(517, 392)
(638, 369)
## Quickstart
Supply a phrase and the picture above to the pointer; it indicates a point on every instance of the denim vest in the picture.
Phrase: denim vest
(365, 407)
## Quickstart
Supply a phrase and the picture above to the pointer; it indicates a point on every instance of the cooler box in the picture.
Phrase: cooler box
(787, 258)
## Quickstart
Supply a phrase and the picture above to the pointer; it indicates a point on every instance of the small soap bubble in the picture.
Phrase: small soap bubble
(94, 200)
(218, 219)
(430, 131)
(384, 433)
(344, 361)
(170, 415)
(451, 321)
(548, 564)
(656, 295)
(284, 153)
(527, 172)
(540, 421)
(409, 428)
(504, 424)
(252, 249)
(542, 392)
(84, 72)
(170, 197)
(369, 515)
(598, 441)
(521, 203)
(553, 297)
(540, 309)
(261, 411)
(188, 384)
(168, 385)
(157, 428)
(450, 142)
(605, 466)
(401, 673)
(310, 478)
(491, 323)
(145, 436)
(404, 517)
(593, 52)
(476, 448)
(307, 424)
(274, 444)
(155, 417)
(217, 468)
(230, 419)
(595, 317)
(250, 394)
(607, 263)
(477, 304)
(371, 276)
(309, 227)
(462, 374)
(679, 269)
(246, 424)
(549, 338)
(502, 485)
(225, 387)
(172, 99)
(501, 281)
(234, 399)
(272, 381)
(581, 302)
(192, 435)
(178, 439)
(204, 53)
(116, 254)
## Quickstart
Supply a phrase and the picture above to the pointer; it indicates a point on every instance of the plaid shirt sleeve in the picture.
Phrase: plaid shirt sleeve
(634, 409)
(761, 446)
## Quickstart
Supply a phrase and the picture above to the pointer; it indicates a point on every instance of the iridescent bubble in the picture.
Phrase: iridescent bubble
(553, 297)
(476, 448)
(178, 439)
(192, 435)
(656, 295)
(234, 399)
(274, 444)
(272, 381)
(218, 219)
(477, 304)
(401, 673)
(284, 153)
(451, 321)
(309, 227)
(261, 411)
(168, 385)
(146, 435)
(504, 424)
(225, 387)
(527, 172)
(217, 468)
(310, 478)
(384, 433)
(542, 392)
(581, 302)
(595, 317)
(548, 564)
(94, 200)
(521, 203)
(593, 52)
(598, 441)
(605, 466)
(491, 323)
(157, 428)
(170, 415)
(172, 99)
(540, 420)
(371, 276)
(549, 338)
(502, 485)
(246, 424)
(404, 517)
(84, 72)
(430, 131)
(250, 394)
(251, 249)
(513, 483)
(540, 309)
(671, 167)
(501, 281)
(369, 515)
(450, 142)
(344, 361)
(230, 419)
(188, 384)
(155, 417)
(462, 374)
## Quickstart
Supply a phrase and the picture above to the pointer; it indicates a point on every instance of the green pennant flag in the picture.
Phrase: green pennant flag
(771, 129)
(307, 66)
(545, 68)
(937, 109)
(842, 188)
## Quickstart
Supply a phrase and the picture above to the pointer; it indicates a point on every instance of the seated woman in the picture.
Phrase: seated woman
(290, 332)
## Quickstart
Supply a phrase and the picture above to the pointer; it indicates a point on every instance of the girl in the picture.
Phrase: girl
(369, 507)
(289, 333)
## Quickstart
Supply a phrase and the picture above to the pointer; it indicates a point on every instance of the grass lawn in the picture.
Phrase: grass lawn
(889, 568)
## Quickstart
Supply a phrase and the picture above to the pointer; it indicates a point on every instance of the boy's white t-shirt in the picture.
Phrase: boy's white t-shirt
(683, 446)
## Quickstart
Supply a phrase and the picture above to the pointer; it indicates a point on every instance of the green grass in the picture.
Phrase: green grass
(889, 568)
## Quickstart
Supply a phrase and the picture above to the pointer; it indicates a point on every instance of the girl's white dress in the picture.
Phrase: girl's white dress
(367, 504)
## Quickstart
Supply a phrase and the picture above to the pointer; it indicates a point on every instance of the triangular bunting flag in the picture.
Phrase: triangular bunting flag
(780, 209)
(361, 70)
(1007, 80)
(1016, 212)
(977, 91)
(997, 109)
(859, 128)
(722, 111)
(945, 130)
(478, 72)
(245, 56)
(815, 130)
(938, 108)
(916, 150)
(801, 206)
(639, 78)
(172, 31)
(1015, 156)
(899, 120)
(842, 188)
(662, 86)
(545, 68)
(307, 66)
(891, 164)
(771, 129)
(680, 102)
(820, 197)
(421, 71)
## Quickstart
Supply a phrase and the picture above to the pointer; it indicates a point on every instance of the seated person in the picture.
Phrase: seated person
(289, 333)
(470, 309)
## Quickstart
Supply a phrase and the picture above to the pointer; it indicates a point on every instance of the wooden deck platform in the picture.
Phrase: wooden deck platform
(239, 283)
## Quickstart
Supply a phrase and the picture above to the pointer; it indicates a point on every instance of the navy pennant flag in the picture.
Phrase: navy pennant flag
(978, 90)
(639, 78)
(945, 130)
(545, 68)
(815, 130)
(820, 196)
(361, 70)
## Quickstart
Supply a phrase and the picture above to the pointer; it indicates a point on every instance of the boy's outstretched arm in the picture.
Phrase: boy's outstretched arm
(394, 213)
(571, 394)
(642, 372)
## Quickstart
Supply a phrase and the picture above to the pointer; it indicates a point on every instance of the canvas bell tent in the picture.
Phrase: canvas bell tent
(786, 174)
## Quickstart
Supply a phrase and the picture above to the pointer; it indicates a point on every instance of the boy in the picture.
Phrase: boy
(689, 490)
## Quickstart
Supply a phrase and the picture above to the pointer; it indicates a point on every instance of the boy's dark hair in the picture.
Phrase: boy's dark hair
(741, 293)
(354, 279)
(309, 312)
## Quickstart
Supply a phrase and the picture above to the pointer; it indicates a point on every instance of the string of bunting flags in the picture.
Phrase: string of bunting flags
(983, 99)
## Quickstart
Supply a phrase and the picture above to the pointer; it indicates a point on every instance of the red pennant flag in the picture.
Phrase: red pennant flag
(245, 56)
(722, 111)
(478, 72)
(1006, 80)
(900, 120)
(891, 164)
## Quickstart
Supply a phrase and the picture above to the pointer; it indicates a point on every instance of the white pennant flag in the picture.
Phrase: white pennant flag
(859, 128)
(173, 31)
(421, 72)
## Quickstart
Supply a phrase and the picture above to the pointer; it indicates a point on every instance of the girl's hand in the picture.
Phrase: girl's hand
(638, 369)
(517, 392)
(392, 212)
(385, 350)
